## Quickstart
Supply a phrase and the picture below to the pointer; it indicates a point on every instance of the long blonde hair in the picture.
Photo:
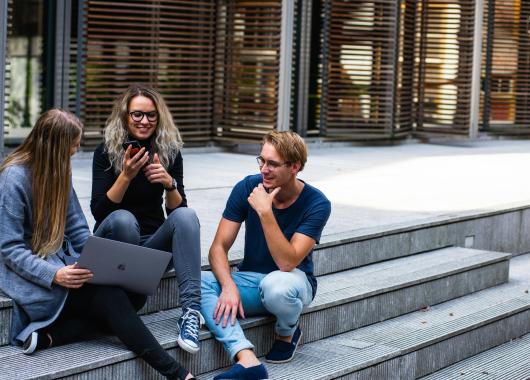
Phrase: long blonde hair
(46, 151)
(167, 141)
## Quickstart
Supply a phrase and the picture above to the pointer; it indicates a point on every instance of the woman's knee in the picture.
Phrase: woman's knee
(184, 217)
(123, 219)
(121, 225)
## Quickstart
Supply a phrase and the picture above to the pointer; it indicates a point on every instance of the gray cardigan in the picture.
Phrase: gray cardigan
(24, 277)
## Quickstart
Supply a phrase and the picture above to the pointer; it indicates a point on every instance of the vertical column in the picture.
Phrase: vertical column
(3, 56)
(476, 71)
(304, 62)
(286, 62)
(62, 52)
(324, 100)
(79, 59)
(488, 60)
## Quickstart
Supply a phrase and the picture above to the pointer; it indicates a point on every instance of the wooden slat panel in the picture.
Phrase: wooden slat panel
(508, 84)
(247, 68)
(443, 55)
(7, 85)
(361, 46)
(168, 44)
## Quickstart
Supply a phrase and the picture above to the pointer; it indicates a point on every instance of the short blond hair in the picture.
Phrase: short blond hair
(289, 145)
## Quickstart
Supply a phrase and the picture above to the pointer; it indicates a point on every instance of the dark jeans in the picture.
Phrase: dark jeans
(179, 234)
(98, 308)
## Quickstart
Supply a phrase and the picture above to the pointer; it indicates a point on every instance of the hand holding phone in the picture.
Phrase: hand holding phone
(135, 146)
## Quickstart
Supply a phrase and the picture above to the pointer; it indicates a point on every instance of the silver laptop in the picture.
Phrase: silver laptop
(134, 268)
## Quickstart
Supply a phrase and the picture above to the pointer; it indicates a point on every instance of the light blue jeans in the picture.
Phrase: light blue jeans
(282, 294)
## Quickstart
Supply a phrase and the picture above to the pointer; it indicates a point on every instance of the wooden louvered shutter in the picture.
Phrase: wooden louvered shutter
(7, 78)
(444, 52)
(405, 114)
(360, 44)
(165, 43)
(247, 69)
(506, 67)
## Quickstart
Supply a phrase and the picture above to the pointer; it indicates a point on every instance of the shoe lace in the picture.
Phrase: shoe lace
(191, 322)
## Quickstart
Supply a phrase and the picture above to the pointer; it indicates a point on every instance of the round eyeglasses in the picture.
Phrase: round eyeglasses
(139, 115)
(272, 165)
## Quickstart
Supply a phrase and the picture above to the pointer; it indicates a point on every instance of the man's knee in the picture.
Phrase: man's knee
(278, 287)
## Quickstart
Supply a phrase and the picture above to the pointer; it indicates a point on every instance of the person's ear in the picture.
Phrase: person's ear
(295, 167)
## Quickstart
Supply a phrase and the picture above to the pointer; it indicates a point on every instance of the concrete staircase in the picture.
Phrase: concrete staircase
(510, 361)
(397, 312)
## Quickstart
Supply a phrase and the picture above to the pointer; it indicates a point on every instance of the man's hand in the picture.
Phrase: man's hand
(228, 305)
(260, 200)
(132, 165)
(72, 277)
(155, 173)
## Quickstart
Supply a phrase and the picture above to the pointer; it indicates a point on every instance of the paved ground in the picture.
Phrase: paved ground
(368, 186)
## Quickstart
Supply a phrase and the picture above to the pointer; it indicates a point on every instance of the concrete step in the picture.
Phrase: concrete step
(420, 343)
(337, 253)
(509, 361)
(344, 301)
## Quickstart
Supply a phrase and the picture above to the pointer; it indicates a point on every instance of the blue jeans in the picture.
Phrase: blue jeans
(179, 234)
(282, 294)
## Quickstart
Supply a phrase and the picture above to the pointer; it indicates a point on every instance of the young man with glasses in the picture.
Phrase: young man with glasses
(284, 218)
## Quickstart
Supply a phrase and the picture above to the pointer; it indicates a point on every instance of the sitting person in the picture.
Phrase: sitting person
(41, 222)
(284, 218)
(128, 189)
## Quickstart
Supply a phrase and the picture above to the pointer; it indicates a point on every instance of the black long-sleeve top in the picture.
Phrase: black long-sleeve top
(142, 198)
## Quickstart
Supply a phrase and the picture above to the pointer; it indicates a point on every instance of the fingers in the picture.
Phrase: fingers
(216, 310)
(226, 311)
(229, 314)
(156, 160)
(241, 310)
(155, 173)
(275, 191)
(127, 153)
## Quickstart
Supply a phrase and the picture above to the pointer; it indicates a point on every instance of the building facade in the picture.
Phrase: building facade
(231, 70)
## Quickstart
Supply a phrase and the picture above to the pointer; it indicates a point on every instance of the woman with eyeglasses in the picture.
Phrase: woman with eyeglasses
(41, 224)
(137, 171)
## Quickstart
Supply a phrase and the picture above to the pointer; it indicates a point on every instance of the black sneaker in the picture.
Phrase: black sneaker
(283, 352)
(30, 345)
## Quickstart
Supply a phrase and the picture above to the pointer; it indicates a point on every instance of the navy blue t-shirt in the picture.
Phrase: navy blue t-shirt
(307, 215)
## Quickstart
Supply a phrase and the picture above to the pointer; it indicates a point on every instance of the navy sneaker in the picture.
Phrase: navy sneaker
(283, 352)
(189, 325)
(237, 371)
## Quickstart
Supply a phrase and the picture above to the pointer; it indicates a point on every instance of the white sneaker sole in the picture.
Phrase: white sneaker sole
(33, 345)
(186, 347)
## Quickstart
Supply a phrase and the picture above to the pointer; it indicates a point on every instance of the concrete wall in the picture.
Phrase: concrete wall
(503, 230)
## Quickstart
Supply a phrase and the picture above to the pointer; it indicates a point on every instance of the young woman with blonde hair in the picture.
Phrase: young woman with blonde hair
(41, 223)
(134, 169)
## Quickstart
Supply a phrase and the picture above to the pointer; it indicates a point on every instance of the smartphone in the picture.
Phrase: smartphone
(135, 146)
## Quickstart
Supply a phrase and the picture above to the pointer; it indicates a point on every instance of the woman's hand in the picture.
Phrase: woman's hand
(132, 165)
(72, 277)
(155, 173)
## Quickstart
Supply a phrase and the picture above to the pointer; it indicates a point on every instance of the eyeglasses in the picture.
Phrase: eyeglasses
(272, 165)
(139, 115)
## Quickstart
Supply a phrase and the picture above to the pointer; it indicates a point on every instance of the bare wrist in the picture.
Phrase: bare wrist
(124, 177)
